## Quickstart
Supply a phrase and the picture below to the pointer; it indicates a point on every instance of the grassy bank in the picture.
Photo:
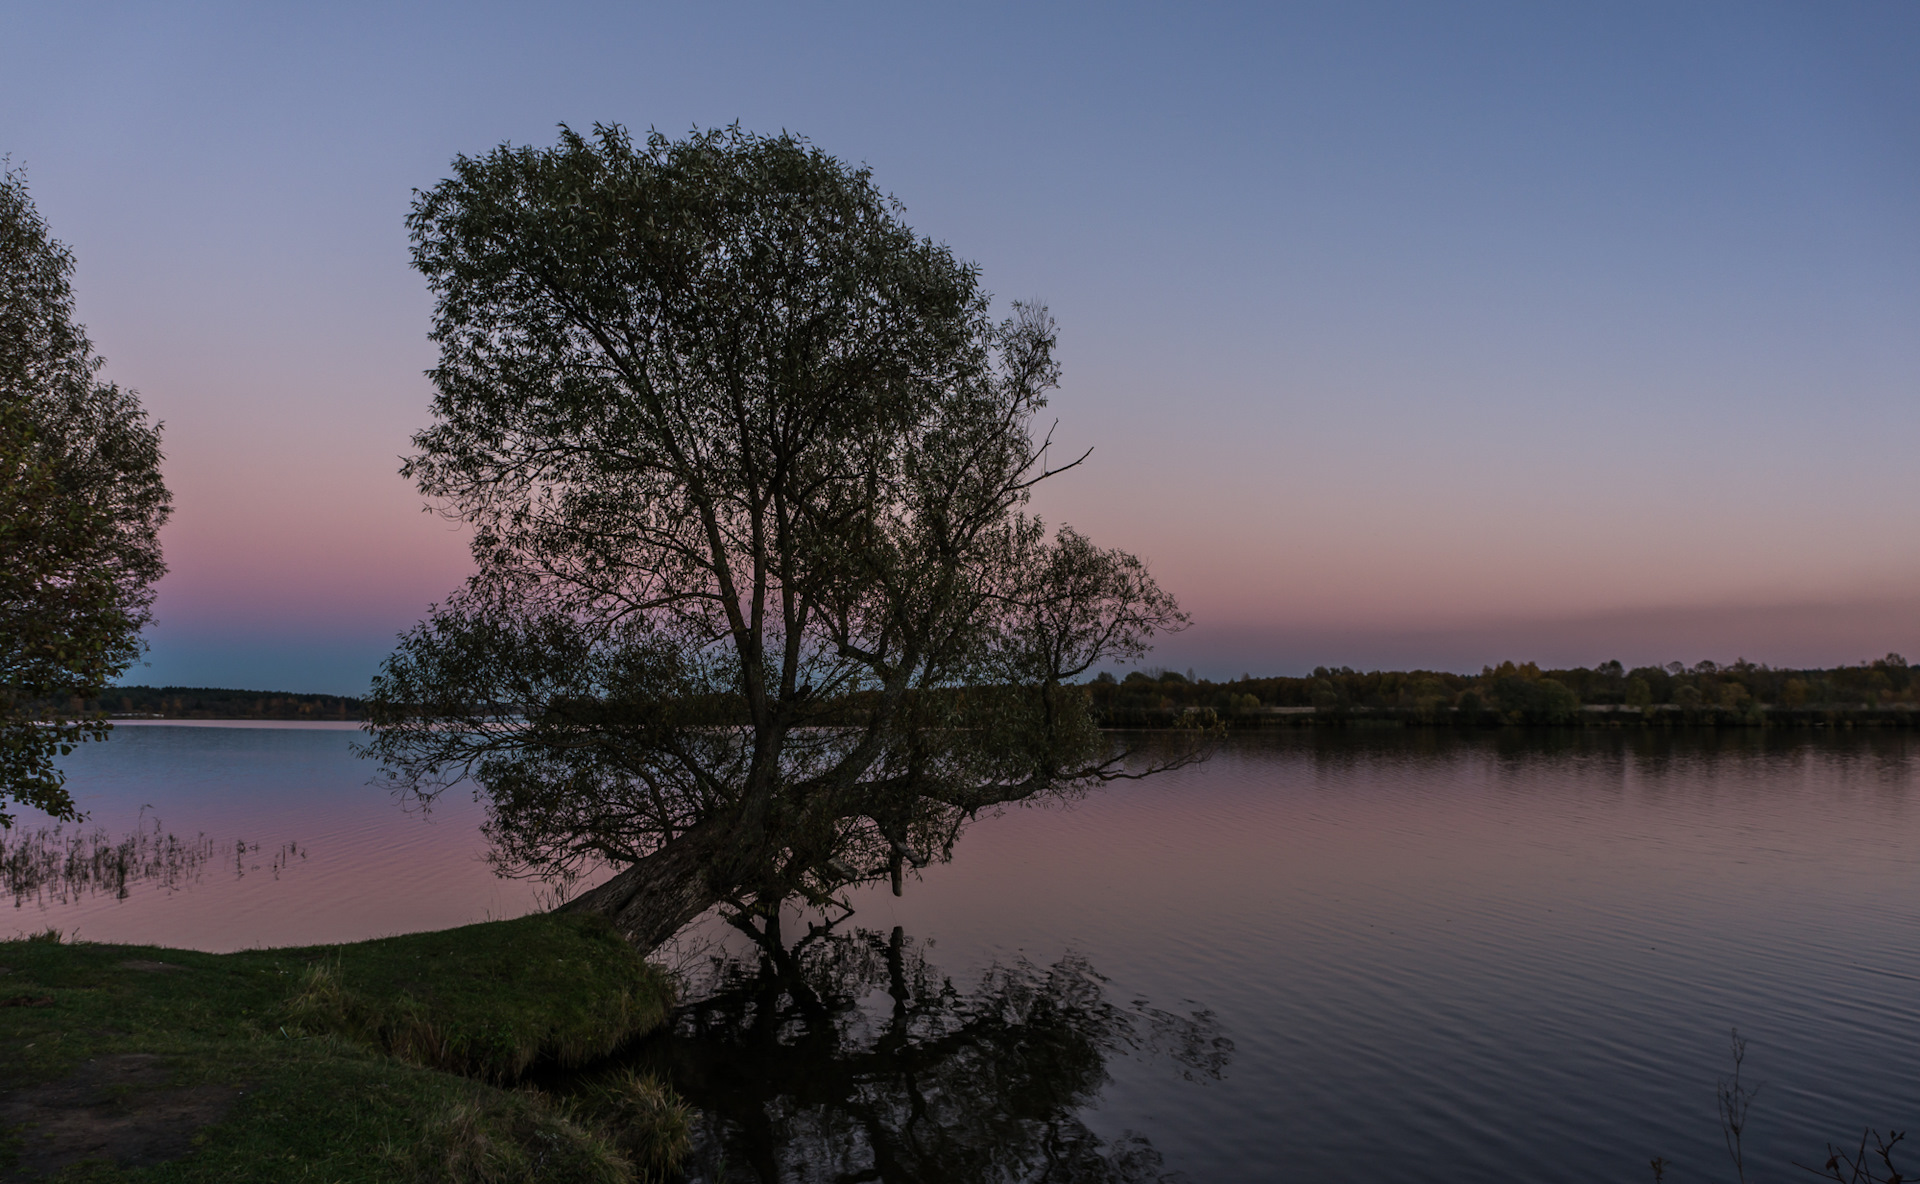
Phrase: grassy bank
(387, 1060)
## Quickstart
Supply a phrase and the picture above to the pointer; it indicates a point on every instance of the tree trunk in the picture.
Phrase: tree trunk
(650, 900)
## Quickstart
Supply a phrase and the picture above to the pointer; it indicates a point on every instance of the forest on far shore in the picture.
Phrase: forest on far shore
(1883, 690)
(219, 703)
(1743, 693)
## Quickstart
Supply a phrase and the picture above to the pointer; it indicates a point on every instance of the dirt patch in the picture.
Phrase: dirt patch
(144, 964)
(114, 1109)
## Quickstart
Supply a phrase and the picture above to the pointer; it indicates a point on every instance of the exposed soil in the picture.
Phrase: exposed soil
(115, 1109)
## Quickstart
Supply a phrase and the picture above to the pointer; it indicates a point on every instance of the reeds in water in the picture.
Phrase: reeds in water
(55, 865)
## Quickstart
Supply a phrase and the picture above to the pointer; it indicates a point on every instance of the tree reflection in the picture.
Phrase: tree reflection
(849, 1058)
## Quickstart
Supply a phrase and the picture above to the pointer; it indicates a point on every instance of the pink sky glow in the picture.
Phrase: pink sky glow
(1404, 337)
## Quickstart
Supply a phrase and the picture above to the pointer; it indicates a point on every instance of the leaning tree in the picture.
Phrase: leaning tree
(758, 612)
(81, 505)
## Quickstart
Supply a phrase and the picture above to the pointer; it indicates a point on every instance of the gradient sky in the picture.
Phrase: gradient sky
(1404, 334)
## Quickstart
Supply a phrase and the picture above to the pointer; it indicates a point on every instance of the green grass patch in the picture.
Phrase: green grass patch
(485, 1001)
(385, 1060)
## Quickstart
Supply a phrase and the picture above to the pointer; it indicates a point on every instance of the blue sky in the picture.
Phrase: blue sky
(1404, 334)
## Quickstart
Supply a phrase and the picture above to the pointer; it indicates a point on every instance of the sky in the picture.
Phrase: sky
(1403, 334)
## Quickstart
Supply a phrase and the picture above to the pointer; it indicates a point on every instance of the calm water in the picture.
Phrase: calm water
(1314, 958)
(364, 867)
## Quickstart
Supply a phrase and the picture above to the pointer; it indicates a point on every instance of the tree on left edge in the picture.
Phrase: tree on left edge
(81, 505)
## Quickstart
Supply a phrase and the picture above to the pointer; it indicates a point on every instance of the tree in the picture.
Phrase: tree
(81, 506)
(759, 613)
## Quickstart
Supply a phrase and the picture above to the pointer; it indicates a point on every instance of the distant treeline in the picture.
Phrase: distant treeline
(219, 703)
(1883, 691)
(1743, 694)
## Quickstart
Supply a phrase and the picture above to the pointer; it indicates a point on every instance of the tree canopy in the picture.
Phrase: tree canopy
(1882, 692)
(81, 505)
(759, 611)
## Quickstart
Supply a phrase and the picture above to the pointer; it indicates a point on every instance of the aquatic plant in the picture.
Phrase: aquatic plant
(54, 865)
(1858, 1168)
(1734, 1098)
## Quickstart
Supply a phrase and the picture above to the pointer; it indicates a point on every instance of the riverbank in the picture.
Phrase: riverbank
(388, 1060)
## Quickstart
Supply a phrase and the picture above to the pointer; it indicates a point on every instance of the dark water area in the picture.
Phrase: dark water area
(1322, 955)
(852, 1056)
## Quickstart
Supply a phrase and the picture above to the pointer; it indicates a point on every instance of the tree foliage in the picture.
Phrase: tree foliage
(759, 611)
(1742, 693)
(81, 505)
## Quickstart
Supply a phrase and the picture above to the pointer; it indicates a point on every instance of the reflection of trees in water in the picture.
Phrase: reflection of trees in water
(58, 866)
(849, 1058)
(1685, 758)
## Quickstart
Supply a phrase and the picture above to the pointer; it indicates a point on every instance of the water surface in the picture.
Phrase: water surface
(363, 865)
(1320, 956)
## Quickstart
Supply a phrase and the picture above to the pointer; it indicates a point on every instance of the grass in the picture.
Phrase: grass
(485, 1001)
(387, 1060)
